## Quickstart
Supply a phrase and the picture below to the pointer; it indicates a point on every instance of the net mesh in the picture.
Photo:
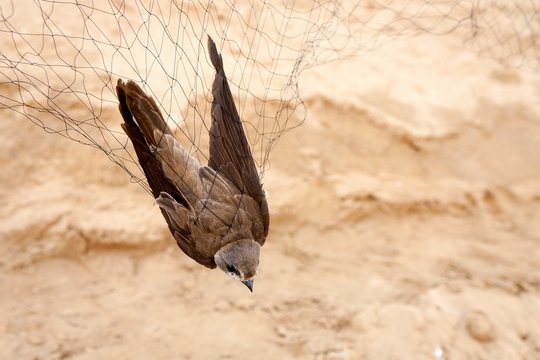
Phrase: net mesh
(60, 60)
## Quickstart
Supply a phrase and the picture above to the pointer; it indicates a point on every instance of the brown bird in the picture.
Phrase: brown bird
(217, 213)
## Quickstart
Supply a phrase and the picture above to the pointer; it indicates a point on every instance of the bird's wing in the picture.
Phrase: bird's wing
(229, 150)
(141, 117)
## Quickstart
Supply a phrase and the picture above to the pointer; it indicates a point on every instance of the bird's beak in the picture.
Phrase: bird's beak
(249, 284)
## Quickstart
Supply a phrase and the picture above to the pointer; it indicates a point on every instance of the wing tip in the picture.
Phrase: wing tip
(121, 93)
(215, 57)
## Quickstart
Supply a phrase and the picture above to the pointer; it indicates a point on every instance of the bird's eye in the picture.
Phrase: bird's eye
(232, 269)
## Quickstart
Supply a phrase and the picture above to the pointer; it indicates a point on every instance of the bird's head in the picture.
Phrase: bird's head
(239, 260)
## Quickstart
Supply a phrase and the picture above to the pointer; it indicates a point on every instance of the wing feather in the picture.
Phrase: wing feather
(230, 153)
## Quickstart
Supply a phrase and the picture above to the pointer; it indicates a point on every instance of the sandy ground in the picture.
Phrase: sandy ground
(405, 225)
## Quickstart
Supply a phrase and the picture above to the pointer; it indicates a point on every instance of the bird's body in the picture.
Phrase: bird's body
(218, 212)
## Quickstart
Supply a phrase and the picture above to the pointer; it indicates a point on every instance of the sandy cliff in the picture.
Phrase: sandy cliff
(405, 225)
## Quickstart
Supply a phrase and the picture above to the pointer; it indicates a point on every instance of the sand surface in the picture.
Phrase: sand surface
(405, 225)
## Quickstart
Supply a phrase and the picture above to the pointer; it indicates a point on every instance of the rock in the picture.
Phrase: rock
(480, 327)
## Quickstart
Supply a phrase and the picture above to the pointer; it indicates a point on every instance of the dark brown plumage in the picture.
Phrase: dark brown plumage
(217, 213)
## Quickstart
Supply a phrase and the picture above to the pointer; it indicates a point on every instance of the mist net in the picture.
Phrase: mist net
(65, 57)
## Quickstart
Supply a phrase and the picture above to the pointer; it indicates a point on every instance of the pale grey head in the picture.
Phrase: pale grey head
(239, 260)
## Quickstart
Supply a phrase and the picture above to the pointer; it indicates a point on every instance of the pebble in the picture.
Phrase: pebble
(282, 331)
(480, 327)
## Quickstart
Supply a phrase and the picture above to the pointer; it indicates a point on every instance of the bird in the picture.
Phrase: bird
(217, 213)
